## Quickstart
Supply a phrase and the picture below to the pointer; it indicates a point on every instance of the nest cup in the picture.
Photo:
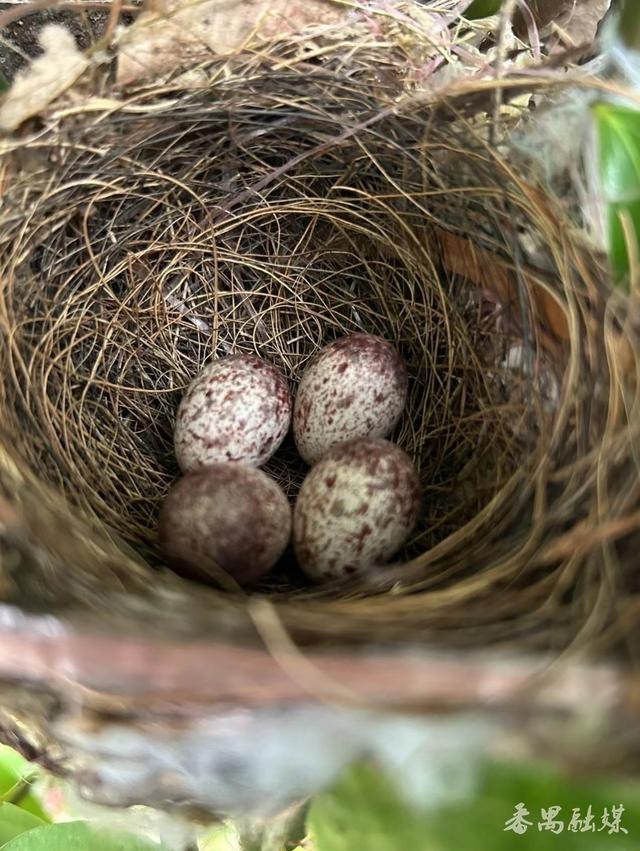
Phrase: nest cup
(269, 208)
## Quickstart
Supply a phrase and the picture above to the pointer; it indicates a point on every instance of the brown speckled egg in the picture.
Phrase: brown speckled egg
(237, 409)
(226, 518)
(355, 387)
(355, 509)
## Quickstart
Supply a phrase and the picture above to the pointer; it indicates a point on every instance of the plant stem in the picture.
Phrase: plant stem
(630, 24)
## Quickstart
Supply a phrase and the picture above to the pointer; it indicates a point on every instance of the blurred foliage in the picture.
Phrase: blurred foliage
(364, 812)
(630, 23)
(16, 777)
(24, 825)
(14, 821)
(618, 130)
(222, 837)
(482, 9)
(77, 836)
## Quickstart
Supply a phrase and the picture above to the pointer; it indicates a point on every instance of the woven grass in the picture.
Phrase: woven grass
(275, 204)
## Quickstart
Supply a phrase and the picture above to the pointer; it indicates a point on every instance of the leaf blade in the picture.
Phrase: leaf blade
(77, 836)
(483, 9)
(618, 131)
(15, 772)
(15, 821)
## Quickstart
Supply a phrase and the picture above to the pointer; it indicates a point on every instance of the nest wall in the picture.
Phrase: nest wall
(270, 207)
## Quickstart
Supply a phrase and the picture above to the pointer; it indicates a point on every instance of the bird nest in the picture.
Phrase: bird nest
(268, 206)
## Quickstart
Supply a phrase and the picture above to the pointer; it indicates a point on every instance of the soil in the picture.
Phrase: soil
(20, 40)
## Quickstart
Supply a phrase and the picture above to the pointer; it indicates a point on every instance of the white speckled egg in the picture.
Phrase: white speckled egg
(355, 387)
(226, 518)
(355, 509)
(237, 409)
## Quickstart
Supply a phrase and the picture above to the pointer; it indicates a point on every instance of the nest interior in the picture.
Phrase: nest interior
(270, 208)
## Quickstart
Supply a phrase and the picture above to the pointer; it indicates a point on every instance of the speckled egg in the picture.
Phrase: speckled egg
(355, 387)
(225, 519)
(355, 509)
(237, 409)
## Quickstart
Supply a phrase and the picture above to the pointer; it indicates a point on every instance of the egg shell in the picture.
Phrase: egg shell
(355, 387)
(226, 517)
(355, 509)
(237, 409)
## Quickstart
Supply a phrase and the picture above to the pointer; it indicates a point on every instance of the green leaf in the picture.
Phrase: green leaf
(364, 812)
(15, 821)
(4, 83)
(222, 837)
(16, 775)
(483, 9)
(619, 143)
(77, 836)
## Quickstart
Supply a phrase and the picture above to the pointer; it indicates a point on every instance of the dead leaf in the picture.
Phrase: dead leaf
(463, 257)
(579, 24)
(45, 79)
(575, 21)
(171, 33)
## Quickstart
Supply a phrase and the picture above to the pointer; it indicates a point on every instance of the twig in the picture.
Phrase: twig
(506, 18)
(114, 16)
